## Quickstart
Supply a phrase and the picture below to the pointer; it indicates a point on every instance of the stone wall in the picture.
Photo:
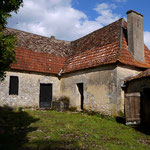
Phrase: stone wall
(99, 89)
(123, 72)
(102, 88)
(29, 89)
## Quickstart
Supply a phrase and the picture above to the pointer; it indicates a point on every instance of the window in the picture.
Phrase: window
(13, 85)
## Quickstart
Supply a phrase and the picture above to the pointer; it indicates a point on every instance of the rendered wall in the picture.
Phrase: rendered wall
(102, 88)
(123, 73)
(99, 89)
(29, 89)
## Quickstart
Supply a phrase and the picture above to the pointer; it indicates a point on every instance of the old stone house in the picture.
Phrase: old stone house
(89, 71)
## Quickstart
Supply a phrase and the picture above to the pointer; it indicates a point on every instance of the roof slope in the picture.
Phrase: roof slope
(97, 48)
(28, 60)
(104, 36)
(125, 56)
(38, 43)
(143, 74)
(104, 46)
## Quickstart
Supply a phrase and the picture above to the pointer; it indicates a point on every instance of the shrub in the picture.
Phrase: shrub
(20, 109)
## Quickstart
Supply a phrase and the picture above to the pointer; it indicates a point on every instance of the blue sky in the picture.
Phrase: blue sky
(122, 6)
(71, 19)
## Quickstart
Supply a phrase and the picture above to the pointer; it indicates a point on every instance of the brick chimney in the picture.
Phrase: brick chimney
(135, 35)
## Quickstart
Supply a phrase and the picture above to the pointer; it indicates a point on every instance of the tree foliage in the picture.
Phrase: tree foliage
(7, 42)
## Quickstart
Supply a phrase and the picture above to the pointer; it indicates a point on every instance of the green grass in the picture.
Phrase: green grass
(46, 130)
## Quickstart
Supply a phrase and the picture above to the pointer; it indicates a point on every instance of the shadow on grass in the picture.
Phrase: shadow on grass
(14, 127)
(120, 120)
(139, 127)
(53, 145)
(143, 129)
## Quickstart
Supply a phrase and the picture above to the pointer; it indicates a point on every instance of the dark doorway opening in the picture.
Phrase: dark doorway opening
(45, 95)
(13, 85)
(81, 91)
(145, 107)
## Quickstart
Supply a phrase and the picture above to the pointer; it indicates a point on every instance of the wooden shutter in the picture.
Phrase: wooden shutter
(132, 108)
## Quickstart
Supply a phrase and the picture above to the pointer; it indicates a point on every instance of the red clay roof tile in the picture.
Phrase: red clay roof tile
(104, 46)
(91, 58)
(38, 62)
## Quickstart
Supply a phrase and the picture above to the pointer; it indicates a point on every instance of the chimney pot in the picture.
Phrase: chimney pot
(52, 37)
(129, 11)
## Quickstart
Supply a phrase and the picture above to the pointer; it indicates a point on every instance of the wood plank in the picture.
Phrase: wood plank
(132, 107)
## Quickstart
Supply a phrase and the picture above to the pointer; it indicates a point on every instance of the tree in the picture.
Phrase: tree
(7, 42)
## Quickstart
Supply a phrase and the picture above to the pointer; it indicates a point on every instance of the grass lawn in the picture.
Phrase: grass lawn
(48, 130)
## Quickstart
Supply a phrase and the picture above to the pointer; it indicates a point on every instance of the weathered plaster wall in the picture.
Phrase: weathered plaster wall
(138, 85)
(99, 89)
(29, 89)
(123, 73)
(102, 88)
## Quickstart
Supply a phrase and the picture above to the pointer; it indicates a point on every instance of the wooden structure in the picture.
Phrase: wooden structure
(132, 108)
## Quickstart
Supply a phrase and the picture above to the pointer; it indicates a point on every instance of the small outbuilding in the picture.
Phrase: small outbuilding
(137, 99)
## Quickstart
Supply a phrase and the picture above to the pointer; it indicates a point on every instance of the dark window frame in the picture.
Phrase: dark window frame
(13, 85)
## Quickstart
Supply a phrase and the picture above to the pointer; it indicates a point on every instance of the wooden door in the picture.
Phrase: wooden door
(45, 95)
(132, 108)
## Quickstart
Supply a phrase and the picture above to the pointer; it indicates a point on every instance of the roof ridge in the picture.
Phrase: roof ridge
(98, 30)
(35, 34)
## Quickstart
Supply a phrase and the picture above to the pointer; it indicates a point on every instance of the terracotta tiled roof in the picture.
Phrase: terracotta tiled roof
(103, 55)
(38, 43)
(127, 58)
(28, 60)
(115, 50)
(104, 46)
(104, 36)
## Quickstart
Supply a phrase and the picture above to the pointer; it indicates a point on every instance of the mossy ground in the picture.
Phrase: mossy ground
(48, 130)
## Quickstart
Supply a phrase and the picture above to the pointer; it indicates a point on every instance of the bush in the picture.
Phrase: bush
(20, 109)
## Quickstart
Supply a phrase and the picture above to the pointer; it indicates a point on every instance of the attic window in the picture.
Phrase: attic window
(13, 85)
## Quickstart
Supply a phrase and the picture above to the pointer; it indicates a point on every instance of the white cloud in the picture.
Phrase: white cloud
(120, 0)
(106, 14)
(59, 18)
(147, 38)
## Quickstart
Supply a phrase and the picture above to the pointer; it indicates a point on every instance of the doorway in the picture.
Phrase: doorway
(145, 106)
(81, 92)
(45, 95)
